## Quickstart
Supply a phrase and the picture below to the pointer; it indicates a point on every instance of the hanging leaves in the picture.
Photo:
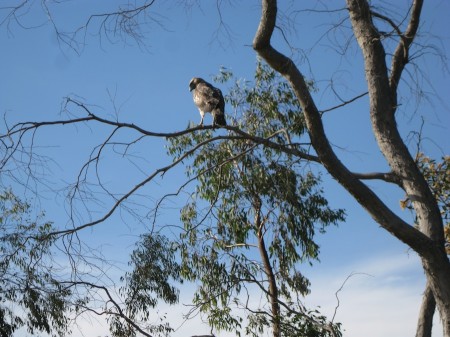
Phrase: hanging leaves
(26, 275)
(253, 216)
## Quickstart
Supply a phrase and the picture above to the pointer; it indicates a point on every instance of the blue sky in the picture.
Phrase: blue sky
(149, 87)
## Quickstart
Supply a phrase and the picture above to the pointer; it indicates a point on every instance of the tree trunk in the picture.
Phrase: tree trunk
(383, 105)
(429, 241)
(438, 274)
(425, 321)
(273, 289)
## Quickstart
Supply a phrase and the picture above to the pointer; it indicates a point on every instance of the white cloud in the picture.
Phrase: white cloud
(382, 298)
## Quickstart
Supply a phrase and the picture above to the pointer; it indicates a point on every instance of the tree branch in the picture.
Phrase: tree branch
(388, 20)
(365, 196)
(340, 289)
(388, 177)
(401, 54)
(119, 312)
(382, 109)
(344, 103)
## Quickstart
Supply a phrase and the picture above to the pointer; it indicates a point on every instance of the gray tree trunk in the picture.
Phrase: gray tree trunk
(425, 321)
(428, 241)
(273, 289)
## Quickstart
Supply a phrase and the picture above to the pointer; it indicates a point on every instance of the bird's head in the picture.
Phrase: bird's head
(194, 82)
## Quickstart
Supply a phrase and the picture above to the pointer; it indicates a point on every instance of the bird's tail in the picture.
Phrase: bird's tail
(219, 119)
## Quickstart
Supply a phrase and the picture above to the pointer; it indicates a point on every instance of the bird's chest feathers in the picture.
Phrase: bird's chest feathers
(204, 103)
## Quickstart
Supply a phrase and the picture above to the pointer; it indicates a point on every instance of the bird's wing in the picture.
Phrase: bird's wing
(208, 93)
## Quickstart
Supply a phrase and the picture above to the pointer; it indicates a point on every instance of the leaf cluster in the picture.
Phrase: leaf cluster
(30, 295)
(437, 174)
(310, 323)
(154, 270)
(251, 199)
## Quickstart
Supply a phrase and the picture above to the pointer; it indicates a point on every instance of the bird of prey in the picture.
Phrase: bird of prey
(208, 99)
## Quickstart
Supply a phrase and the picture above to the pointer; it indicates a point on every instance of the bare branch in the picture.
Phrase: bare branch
(388, 177)
(343, 104)
(340, 289)
(388, 20)
(285, 66)
(110, 299)
(401, 54)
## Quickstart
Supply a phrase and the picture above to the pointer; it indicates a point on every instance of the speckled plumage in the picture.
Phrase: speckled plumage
(208, 98)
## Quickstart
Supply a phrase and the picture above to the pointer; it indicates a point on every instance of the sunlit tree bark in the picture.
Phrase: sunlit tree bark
(383, 79)
(428, 240)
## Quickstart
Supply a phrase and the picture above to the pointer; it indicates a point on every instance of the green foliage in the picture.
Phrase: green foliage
(29, 294)
(252, 200)
(267, 106)
(437, 174)
(154, 269)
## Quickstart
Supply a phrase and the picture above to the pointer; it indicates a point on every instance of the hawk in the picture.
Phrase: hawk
(208, 99)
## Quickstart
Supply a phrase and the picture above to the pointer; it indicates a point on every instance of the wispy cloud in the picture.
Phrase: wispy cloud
(381, 296)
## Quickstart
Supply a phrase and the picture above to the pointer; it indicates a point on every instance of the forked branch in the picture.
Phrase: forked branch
(401, 54)
(365, 196)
